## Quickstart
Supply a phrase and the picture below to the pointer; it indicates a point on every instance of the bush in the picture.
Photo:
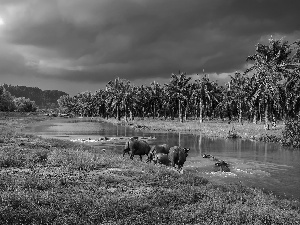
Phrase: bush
(291, 133)
(232, 133)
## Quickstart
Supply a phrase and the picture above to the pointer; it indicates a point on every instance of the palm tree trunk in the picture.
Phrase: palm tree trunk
(266, 116)
(255, 116)
(259, 113)
(240, 111)
(118, 113)
(143, 112)
(201, 112)
(131, 115)
(185, 112)
(165, 113)
(126, 112)
(180, 111)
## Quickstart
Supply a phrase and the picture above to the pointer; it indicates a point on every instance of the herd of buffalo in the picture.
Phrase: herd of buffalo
(163, 154)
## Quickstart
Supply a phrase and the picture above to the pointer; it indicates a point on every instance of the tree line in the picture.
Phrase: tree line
(10, 103)
(268, 89)
(43, 99)
(27, 99)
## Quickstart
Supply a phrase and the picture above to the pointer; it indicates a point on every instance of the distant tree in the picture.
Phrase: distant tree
(128, 99)
(204, 95)
(142, 100)
(42, 98)
(290, 88)
(66, 104)
(25, 105)
(99, 99)
(117, 96)
(6, 100)
(155, 91)
(238, 84)
(226, 105)
(177, 89)
(269, 62)
(85, 103)
(49, 97)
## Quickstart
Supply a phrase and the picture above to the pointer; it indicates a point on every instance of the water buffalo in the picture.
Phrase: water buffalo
(163, 148)
(211, 157)
(223, 166)
(207, 156)
(136, 147)
(128, 145)
(178, 156)
(161, 158)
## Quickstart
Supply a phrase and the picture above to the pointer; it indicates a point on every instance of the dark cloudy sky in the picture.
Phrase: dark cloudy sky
(79, 45)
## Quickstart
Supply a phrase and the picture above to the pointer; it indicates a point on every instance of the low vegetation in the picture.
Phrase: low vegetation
(291, 133)
(48, 181)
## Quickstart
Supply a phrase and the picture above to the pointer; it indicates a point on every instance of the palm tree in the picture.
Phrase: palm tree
(117, 96)
(238, 84)
(204, 95)
(226, 101)
(177, 89)
(291, 85)
(129, 99)
(99, 99)
(143, 97)
(155, 91)
(269, 67)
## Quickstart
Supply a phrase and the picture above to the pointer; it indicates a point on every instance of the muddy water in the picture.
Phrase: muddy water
(268, 166)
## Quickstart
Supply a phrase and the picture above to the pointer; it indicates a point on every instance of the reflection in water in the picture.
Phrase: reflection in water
(263, 165)
(266, 152)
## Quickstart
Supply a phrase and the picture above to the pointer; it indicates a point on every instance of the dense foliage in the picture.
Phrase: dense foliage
(43, 99)
(24, 105)
(9, 103)
(6, 100)
(268, 90)
(291, 133)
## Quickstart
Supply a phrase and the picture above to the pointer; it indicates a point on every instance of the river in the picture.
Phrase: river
(267, 166)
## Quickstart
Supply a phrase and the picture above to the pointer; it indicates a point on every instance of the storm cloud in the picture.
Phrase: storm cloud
(61, 43)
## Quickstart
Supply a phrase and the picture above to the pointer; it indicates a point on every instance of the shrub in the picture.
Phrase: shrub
(232, 133)
(291, 133)
(268, 138)
(40, 156)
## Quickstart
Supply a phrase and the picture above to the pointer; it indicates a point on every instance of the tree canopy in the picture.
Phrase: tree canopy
(269, 89)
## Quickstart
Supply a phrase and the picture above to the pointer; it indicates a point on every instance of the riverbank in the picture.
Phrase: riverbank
(219, 129)
(50, 181)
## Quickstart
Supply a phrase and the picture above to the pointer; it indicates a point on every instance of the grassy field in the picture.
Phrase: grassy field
(49, 181)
